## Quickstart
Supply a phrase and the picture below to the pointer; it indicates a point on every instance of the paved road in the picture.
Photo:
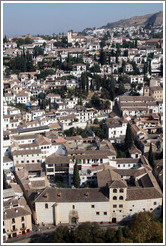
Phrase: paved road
(45, 234)
(34, 234)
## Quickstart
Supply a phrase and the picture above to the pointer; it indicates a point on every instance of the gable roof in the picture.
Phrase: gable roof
(72, 195)
(142, 194)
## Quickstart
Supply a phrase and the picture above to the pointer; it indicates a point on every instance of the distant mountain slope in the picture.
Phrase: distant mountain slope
(156, 19)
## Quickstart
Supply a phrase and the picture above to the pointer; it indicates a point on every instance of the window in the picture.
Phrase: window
(92, 206)
(13, 220)
(73, 206)
(121, 198)
(105, 213)
(114, 197)
(131, 210)
(121, 190)
(22, 218)
(97, 213)
(120, 211)
(119, 165)
(14, 228)
(120, 205)
(143, 209)
(155, 203)
(4, 231)
(46, 205)
(114, 190)
(114, 206)
(23, 225)
(133, 205)
(151, 209)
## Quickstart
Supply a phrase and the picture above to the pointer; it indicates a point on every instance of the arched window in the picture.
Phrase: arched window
(46, 205)
(121, 190)
(114, 198)
(121, 198)
(114, 190)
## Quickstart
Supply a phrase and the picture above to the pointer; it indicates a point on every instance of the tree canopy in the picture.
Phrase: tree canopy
(151, 156)
(128, 137)
(143, 228)
(76, 176)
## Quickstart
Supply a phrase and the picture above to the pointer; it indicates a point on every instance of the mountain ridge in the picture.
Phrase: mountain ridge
(155, 19)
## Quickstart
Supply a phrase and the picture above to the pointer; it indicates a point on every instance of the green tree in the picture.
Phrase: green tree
(102, 58)
(83, 82)
(151, 156)
(41, 95)
(33, 98)
(125, 53)
(119, 235)
(28, 41)
(62, 235)
(92, 231)
(37, 51)
(5, 40)
(144, 228)
(76, 176)
(95, 68)
(96, 121)
(110, 235)
(128, 137)
(95, 101)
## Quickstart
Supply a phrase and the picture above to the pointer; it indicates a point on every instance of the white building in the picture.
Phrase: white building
(8, 163)
(116, 129)
(112, 201)
(22, 97)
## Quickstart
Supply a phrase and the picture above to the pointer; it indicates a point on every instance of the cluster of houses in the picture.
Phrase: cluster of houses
(36, 151)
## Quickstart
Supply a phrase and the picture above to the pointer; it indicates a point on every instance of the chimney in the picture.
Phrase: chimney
(59, 194)
(86, 194)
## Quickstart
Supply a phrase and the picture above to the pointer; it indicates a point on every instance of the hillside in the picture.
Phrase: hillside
(155, 19)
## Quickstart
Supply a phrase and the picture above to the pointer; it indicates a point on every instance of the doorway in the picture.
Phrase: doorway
(73, 220)
(113, 220)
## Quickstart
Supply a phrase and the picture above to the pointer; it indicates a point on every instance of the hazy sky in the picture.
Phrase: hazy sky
(49, 18)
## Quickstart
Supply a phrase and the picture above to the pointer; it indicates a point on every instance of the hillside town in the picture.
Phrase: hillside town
(82, 127)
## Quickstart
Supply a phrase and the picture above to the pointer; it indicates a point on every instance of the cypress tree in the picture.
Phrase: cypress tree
(76, 176)
(102, 57)
(128, 137)
(151, 156)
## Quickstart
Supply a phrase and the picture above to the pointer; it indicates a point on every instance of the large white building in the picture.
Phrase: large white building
(114, 200)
